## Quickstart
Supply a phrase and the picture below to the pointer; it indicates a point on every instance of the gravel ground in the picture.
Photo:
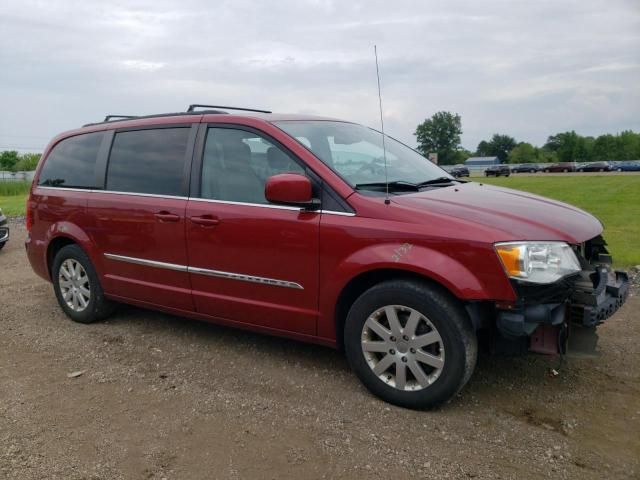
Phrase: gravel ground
(166, 397)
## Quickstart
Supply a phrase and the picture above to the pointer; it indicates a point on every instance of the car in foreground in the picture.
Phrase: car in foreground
(497, 171)
(459, 171)
(563, 167)
(4, 230)
(315, 229)
(627, 166)
(525, 168)
(596, 167)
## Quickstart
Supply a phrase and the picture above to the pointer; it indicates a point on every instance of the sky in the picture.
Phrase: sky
(528, 69)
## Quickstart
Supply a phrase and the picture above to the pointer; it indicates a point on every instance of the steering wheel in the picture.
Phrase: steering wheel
(374, 166)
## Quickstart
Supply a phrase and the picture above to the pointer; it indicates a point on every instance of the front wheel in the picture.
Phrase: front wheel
(410, 344)
(77, 287)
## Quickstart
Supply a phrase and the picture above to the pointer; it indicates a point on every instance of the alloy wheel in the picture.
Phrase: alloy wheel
(403, 348)
(74, 285)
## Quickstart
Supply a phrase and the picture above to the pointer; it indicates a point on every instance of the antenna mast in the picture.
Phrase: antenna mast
(384, 148)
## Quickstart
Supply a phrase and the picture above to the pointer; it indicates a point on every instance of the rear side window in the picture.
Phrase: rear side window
(149, 161)
(72, 162)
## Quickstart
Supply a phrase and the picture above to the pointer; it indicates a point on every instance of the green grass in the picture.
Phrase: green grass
(614, 199)
(13, 205)
(14, 188)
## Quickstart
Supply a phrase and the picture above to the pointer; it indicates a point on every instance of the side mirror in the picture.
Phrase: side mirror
(290, 189)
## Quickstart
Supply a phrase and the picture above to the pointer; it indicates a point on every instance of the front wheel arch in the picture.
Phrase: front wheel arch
(363, 282)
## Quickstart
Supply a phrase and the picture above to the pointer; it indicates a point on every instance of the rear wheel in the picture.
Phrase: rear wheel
(618, 170)
(77, 287)
(410, 344)
(565, 170)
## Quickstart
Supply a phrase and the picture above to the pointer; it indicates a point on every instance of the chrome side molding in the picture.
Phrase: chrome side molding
(205, 271)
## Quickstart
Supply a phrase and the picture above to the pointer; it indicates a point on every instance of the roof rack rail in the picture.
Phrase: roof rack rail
(197, 105)
(120, 117)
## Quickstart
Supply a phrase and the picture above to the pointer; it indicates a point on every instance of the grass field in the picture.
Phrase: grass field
(13, 205)
(614, 199)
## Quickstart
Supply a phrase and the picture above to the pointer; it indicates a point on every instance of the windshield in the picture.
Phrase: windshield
(355, 152)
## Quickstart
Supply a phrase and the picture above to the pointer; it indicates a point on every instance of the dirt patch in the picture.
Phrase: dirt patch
(166, 397)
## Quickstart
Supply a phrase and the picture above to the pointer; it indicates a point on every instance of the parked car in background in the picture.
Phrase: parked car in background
(595, 167)
(459, 171)
(560, 167)
(627, 166)
(291, 225)
(525, 168)
(497, 171)
(4, 230)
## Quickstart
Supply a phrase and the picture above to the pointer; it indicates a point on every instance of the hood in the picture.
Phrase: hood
(512, 214)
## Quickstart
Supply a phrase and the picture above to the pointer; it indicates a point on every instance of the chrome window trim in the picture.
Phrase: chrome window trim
(209, 200)
(245, 204)
(205, 271)
(67, 189)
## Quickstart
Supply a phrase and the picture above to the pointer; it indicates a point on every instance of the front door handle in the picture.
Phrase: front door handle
(205, 220)
(165, 216)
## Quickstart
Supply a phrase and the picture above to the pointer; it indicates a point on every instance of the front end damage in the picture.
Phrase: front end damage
(561, 317)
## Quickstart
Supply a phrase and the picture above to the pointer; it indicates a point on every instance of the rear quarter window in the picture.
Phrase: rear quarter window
(72, 162)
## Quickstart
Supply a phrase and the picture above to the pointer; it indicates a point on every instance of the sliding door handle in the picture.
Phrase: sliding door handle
(205, 220)
(165, 216)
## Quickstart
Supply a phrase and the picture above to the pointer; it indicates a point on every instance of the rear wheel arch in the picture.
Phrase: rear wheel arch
(55, 245)
(366, 280)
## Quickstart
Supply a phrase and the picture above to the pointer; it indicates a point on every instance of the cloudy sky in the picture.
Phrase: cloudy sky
(528, 69)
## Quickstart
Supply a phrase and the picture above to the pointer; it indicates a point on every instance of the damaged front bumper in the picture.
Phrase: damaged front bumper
(544, 317)
(586, 303)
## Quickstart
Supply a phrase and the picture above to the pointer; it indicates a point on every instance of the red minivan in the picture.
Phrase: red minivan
(314, 229)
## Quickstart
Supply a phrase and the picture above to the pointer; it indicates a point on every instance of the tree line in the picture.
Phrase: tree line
(441, 134)
(12, 161)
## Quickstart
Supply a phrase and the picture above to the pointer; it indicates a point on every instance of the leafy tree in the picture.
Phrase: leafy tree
(523, 153)
(499, 146)
(440, 134)
(628, 146)
(27, 162)
(8, 159)
(604, 147)
(461, 155)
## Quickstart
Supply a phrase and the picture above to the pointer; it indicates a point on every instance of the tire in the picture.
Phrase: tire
(565, 170)
(532, 171)
(73, 275)
(618, 170)
(546, 171)
(436, 314)
(2, 245)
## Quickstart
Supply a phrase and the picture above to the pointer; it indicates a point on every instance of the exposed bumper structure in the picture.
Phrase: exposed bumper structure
(546, 316)
(594, 301)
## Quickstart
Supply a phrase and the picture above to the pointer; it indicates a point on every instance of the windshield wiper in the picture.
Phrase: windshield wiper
(395, 185)
(437, 181)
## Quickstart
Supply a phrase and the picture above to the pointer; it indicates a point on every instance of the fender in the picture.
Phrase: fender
(417, 259)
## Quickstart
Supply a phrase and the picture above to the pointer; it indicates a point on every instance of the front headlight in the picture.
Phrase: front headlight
(537, 262)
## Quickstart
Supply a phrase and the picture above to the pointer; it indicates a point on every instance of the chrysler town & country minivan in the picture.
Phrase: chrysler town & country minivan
(307, 227)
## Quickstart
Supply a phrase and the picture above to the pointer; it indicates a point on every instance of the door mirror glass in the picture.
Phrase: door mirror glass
(290, 189)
